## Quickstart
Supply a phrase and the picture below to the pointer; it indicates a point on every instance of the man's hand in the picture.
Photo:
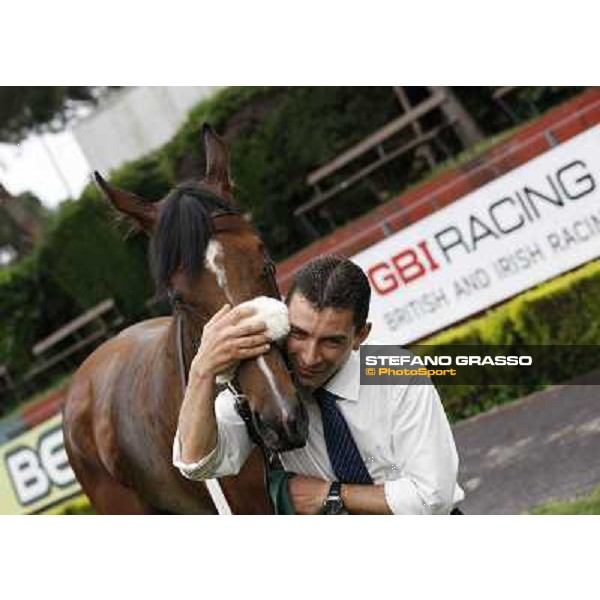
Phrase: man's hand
(229, 337)
(308, 493)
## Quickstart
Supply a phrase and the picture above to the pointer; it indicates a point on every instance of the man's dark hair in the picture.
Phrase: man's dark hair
(333, 281)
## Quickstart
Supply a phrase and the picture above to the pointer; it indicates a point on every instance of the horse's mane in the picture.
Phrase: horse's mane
(183, 232)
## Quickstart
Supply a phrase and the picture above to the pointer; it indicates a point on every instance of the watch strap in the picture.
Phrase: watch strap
(333, 504)
(335, 491)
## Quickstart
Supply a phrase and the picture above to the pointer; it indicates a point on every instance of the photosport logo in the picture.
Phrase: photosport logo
(476, 365)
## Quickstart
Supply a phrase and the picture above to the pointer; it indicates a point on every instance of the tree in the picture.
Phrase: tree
(27, 109)
(22, 219)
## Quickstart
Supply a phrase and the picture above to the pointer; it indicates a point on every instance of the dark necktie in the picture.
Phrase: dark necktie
(345, 458)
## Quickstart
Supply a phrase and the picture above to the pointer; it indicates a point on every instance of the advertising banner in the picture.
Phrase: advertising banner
(35, 474)
(530, 225)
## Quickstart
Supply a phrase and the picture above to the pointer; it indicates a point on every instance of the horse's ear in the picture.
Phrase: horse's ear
(217, 159)
(143, 212)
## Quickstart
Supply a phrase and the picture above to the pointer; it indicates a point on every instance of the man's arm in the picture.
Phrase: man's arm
(226, 340)
(426, 459)
(197, 421)
(426, 456)
(365, 499)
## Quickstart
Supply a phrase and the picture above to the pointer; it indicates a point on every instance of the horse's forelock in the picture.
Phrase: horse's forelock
(184, 230)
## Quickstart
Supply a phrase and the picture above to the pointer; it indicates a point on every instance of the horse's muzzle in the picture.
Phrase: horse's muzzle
(283, 432)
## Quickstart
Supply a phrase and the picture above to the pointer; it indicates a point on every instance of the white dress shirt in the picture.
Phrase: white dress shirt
(401, 431)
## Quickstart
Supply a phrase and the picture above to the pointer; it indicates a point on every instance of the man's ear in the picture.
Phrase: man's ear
(361, 335)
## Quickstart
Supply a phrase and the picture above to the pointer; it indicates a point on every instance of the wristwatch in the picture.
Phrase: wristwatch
(333, 504)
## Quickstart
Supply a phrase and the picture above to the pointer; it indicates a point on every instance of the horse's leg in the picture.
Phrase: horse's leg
(107, 495)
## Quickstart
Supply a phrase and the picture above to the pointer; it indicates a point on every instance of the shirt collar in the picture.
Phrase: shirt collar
(346, 382)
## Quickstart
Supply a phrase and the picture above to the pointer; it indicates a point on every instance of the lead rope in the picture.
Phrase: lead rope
(212, 485)
(271, 460)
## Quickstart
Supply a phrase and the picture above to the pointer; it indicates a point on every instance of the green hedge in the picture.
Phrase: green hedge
(31, 306)
(276, 137)
(84, 259)
(88, 258)
(562, 312)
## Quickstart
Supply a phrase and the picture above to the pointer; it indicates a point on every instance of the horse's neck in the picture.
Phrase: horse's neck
(186, 337)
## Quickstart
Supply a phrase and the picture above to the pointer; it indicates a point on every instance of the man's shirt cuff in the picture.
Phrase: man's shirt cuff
(204, 468)
(403, 498)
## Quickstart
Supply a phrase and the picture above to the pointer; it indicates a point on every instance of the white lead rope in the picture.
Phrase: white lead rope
(218, 497)
(212, 485)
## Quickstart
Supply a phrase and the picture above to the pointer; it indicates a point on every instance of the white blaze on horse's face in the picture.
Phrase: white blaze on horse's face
(274, 313)
(215, 263)
(269, 377)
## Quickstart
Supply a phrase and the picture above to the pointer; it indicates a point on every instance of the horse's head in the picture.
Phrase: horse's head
(205, 254)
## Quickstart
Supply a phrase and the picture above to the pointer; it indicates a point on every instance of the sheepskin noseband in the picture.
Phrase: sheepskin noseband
(274, 313)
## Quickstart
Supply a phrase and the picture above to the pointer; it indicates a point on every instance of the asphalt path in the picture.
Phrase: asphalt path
(543, 447)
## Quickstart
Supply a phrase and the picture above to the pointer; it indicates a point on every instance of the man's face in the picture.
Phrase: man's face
(320, 342)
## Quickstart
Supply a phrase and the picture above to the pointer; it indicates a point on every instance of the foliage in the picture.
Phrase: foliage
(216, 110)
(518, 106)
(26, 109)
(149, 177)
(83, 236)
(11, 234)
(563, 312)
(35, 306)
(276, 137)
(83, 260)
(583, 505)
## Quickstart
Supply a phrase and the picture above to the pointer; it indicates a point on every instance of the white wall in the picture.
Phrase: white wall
(135, 121)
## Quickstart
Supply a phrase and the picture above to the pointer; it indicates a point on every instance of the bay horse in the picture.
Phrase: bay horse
(123, 404)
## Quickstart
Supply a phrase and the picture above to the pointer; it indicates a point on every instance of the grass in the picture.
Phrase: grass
(76, 506)
(584, 505)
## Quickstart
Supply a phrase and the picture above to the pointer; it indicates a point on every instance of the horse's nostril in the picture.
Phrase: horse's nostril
(297, 425)
(291, 428)
(281, 434)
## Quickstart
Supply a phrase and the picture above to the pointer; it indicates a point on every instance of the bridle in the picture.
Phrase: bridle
(220, 224)
(229, 219)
